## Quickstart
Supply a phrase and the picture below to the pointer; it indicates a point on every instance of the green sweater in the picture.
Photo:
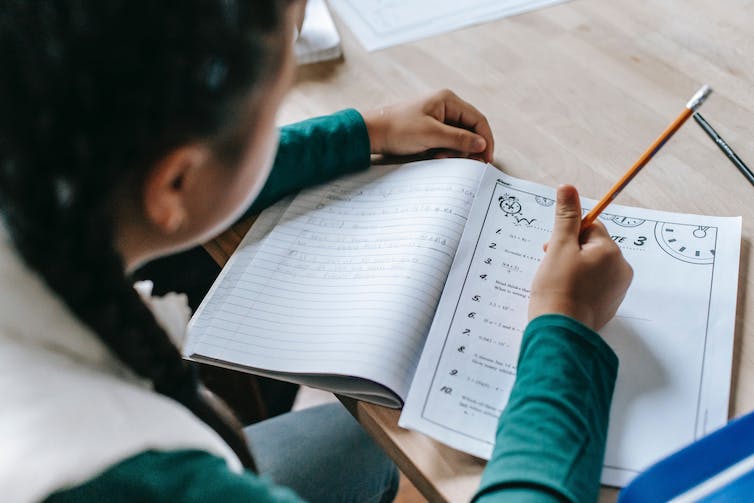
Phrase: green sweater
(551, 437)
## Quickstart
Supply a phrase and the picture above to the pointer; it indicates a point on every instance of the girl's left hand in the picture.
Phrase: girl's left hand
(442, 122)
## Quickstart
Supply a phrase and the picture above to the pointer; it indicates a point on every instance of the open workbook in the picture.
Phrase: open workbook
(408, 285)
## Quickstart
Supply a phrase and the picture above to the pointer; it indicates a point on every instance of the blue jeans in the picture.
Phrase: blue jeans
(324, 455)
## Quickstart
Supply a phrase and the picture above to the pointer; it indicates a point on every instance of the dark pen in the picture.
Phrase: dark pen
(725, 148)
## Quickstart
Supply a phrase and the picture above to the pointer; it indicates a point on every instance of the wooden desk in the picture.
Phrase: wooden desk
(574, 93)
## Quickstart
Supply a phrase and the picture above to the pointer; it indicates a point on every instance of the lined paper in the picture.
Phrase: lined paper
(347, 281)
(229, 276)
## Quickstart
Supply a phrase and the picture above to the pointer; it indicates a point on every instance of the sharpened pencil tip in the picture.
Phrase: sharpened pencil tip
(701, 95)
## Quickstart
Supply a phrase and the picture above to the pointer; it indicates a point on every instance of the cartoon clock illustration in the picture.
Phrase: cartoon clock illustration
(627, 221)
(691, 243)
(509, 204)
(544, 201)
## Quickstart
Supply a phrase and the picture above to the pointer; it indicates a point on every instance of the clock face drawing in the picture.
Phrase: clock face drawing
(544, 201)
(627, 221)
(509, 205)
(691, 243)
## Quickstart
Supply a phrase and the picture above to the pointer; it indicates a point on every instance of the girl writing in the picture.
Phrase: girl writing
(131, 130)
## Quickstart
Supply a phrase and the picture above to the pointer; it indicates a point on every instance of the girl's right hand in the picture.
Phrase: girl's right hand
(582, 276)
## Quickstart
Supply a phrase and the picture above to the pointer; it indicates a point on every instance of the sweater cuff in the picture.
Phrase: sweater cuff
(357, 147)
(585, 334)
(315, 151)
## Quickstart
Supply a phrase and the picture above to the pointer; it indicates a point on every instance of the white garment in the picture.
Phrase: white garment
(70, 409)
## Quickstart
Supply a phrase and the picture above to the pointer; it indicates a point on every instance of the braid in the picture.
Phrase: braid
(113, 309)
(92, 89)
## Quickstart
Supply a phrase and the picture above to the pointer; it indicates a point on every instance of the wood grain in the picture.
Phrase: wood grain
(574, 93)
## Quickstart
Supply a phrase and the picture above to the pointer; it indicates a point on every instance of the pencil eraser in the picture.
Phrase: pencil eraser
(697, 100)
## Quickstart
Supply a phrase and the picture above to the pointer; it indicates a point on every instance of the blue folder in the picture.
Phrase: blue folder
(717, 461)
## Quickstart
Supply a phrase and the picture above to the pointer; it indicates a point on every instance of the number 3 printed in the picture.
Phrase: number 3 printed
(640, 241)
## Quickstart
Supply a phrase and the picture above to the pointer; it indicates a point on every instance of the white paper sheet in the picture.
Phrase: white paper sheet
(319, 39)
(673, 334)
(382, 23)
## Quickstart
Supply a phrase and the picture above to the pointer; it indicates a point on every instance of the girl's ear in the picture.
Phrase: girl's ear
(167, 186)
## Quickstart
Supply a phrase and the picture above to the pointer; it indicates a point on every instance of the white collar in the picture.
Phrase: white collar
(52, 365)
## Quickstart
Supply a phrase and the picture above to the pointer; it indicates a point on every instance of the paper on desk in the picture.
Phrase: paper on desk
(673, 334)
(382, 23)
(319, 39)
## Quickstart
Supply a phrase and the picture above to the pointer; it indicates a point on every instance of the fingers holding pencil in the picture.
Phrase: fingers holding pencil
(583, 274)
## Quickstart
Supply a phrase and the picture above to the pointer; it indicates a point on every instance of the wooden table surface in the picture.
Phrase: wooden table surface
(574, 93)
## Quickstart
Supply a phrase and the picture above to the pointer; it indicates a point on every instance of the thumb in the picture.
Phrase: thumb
(567, 215)
(456, 138)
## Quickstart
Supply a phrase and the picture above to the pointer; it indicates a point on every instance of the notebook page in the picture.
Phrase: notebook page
(673, 334)
(231, 273)
(348, 280)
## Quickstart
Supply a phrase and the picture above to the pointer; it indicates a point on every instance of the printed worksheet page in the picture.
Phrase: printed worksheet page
(382, 23)
(673, 333)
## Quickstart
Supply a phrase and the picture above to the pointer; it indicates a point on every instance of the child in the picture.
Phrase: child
(133, 130)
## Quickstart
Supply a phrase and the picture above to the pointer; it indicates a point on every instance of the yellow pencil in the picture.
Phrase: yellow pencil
(691, 107)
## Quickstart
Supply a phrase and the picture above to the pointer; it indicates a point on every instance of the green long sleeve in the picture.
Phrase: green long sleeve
(551, 436)
(315, 151)
(186, 476)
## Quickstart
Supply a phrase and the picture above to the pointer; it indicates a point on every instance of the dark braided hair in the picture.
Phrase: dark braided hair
(92, 93)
